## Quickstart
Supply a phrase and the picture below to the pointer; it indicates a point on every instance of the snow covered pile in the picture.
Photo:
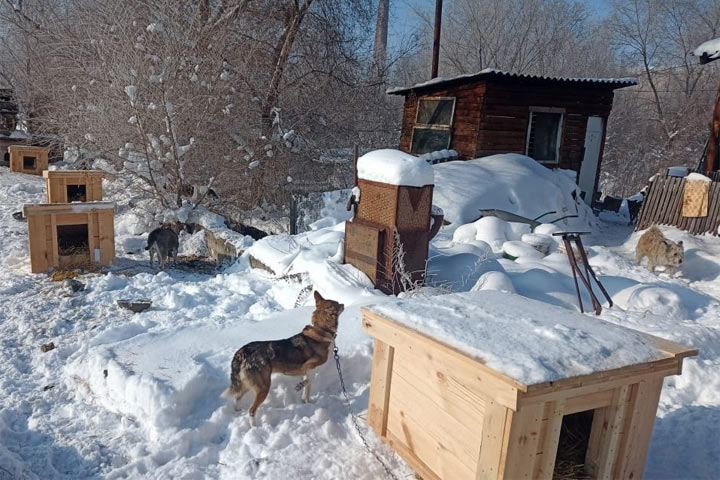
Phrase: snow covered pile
(711, 49)
(510, 182)
(395, 167)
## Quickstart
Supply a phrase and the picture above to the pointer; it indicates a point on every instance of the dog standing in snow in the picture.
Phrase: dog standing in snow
(164, 243)
(253, 365)
(659, 251)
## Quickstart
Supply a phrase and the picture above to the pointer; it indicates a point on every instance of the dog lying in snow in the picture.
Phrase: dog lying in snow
(659, 251)
(164, 243)
(298, 355)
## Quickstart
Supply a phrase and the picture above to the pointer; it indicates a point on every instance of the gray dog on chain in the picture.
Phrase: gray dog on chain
(164, 243)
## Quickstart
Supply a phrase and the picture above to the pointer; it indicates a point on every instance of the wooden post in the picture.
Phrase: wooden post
(711, 161)
(436, 39)
(355, 160)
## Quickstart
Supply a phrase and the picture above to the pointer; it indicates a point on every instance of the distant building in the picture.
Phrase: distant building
(560, 122)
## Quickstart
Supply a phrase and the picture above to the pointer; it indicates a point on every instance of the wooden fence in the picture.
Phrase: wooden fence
(663, 205)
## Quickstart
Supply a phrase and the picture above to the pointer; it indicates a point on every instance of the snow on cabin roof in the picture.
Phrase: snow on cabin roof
(526, 340)
(708, 51)
(491, 73)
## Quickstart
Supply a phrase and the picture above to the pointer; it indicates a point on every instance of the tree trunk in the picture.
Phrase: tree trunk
(711, 161)
(285, 44)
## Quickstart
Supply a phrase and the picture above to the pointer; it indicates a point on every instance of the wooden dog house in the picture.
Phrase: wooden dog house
(66, 186)
(70, 235)
(480, 385)
(384, 208)
(28, 159)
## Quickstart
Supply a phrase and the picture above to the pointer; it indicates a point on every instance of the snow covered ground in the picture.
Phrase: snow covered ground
(137, 395)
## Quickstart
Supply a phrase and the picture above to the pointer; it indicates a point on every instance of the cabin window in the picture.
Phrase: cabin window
(544, 135)
(433, 124)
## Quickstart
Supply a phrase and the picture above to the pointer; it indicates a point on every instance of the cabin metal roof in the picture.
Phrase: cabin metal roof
(491, 74)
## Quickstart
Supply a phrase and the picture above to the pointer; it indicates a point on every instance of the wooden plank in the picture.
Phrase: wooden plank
(470, 372)
(550, 438)
(414, 435)
(36, 244)
(524, 441)
(425, 472)
(461, 440)
(380, 378)
(606, 434)
(661, 365)
(589, 401)
(610, 383)
(442, 388)
(638, 430)
(93, 242)
(106, 229)
(58, 208)
(495, 438)
(71, 218)
(54, 254)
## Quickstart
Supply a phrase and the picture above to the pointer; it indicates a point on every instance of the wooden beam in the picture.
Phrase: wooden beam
(711, 161)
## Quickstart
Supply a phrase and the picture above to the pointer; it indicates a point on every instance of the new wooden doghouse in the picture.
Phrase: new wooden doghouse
(65, 186)
(28, 159)
(399, 204)
(479, 385)
(70, 235)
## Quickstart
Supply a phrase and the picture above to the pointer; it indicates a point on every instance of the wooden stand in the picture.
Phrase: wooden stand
(65, 186)
(27, 159)
(452, 417)
(371, 244)
(89, 225)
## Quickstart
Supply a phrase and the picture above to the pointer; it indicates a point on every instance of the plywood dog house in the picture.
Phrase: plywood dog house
(65, 186)
(480, 385)
(28, 159)
(560, 122)
(392, 219)
(70, 235)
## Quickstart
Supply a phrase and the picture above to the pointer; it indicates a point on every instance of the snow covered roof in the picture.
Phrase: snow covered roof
(530, 342)
(494, 74)
(708, 51)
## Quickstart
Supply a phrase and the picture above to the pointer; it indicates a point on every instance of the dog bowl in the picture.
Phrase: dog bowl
(135, 306)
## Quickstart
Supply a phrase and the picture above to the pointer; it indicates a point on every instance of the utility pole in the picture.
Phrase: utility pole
(436, 39)
(381, 38)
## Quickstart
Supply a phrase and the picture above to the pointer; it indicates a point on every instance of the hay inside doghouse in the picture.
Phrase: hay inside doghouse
(73, 246)
(573, 445)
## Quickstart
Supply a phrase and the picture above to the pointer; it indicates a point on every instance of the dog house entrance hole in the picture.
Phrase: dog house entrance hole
(76, 193)
(573, 445)
(29, 163)
(73, 245)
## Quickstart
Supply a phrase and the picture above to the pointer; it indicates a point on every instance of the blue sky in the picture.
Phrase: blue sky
(404, 19)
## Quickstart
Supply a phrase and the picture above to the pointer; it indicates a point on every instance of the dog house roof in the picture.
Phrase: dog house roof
(71, 173)
(526, 341)
(60, 208)
(490, 74)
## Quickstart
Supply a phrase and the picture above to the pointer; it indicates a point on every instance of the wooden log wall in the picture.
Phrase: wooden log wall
(663, 206)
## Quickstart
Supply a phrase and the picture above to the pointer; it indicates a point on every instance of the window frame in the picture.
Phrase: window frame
(427, 126)
(558, 144)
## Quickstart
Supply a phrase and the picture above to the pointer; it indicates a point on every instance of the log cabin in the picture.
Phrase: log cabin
(560, 122)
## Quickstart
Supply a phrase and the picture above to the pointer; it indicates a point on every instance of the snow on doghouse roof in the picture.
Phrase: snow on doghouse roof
(494, 74)
(708, 51)
(396, 168)
(530, 342)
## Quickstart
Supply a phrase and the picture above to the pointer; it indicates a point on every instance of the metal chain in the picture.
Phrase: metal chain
(354, 417)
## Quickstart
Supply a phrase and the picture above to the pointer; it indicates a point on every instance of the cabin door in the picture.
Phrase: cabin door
(591, 160)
